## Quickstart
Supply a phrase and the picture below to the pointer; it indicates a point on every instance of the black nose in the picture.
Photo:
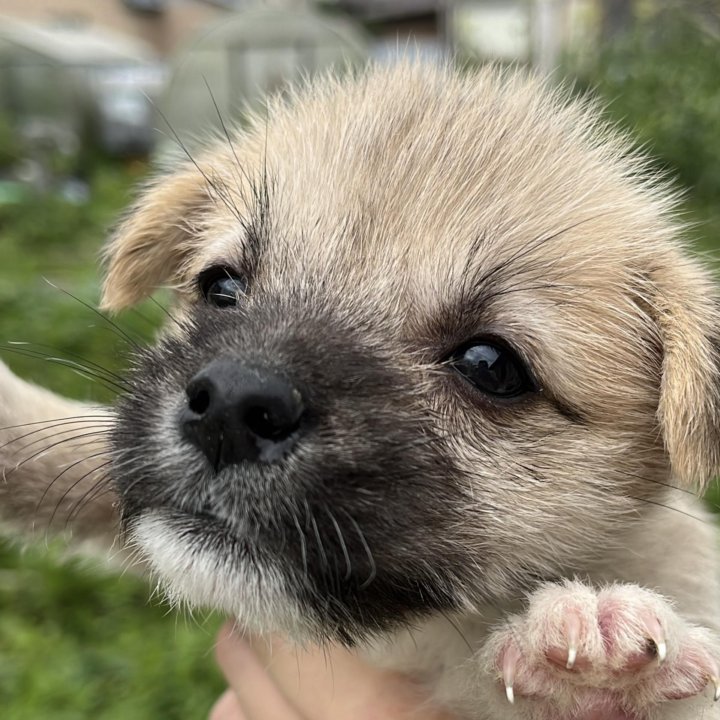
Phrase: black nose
(237, 413)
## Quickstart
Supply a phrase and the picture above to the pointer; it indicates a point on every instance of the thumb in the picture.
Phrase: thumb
(254, 689)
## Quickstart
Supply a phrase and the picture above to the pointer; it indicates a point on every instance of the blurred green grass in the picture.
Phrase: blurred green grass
(49, 266)
(77, 641)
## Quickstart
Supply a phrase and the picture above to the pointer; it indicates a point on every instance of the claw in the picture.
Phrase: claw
(509, 663)
(572, 627)
(572, 656)
(661, 651)
(657, 635)
(716, 682)
(510, 694)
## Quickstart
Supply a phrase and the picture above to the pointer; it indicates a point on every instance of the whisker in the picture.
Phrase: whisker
(343, 546)
(85, 372)
(225, 131)
(371, 559)
(654, 481)
(126, 490)
(170, 316)
(110, 373)
(316, 532)
(54, 420)
(457, 629)
(54, 445)
(675, 509)
(222, 195)
(99, 488)
(105, 431)
(72, 487)
(89, 423)
(118, 330)
(60, 474)
(148, 321)
(303, 547)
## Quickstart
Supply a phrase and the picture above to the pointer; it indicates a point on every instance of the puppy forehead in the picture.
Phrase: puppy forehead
(438, 180)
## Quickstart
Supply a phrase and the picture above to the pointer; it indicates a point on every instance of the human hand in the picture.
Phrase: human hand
(274, 681)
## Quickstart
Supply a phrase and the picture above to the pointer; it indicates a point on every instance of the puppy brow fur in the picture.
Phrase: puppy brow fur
(382, 222)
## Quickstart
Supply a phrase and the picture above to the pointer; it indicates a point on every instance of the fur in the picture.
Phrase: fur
(383, 222)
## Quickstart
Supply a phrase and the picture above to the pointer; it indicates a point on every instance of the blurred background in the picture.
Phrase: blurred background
(94, 94)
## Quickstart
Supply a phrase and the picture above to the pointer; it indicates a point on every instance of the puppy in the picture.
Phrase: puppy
(441, 380)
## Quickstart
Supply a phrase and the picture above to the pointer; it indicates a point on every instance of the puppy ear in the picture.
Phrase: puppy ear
(155, 239)
(689, 407)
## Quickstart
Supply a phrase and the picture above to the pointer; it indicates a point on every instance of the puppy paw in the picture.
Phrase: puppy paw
(613, 654)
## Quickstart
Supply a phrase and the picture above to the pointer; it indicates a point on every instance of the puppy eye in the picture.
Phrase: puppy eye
(222, 286)
(493, 368)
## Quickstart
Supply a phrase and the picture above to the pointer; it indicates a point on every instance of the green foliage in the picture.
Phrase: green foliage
(77, 642)
(713, 496)
(11, 149)
(49, 253)
(661, 80)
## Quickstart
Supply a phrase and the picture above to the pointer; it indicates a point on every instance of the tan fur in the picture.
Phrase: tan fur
(52, 452)
(156, 239)
(505, 169)
(390, 189)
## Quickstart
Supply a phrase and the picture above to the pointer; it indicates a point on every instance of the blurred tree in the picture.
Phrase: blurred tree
(661, 78)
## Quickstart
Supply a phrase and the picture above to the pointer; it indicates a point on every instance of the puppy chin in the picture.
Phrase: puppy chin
(201, 564)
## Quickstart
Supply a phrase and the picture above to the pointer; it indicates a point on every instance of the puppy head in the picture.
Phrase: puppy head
(437, 339)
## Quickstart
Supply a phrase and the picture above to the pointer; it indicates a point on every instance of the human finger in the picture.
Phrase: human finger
(256, 692)
(227, 707)
(333, 683)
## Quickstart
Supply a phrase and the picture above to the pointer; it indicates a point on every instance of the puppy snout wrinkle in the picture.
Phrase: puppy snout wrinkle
(237, 413)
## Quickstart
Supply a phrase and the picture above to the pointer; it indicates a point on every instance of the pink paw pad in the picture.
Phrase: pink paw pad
(633, 635)
(615, 653)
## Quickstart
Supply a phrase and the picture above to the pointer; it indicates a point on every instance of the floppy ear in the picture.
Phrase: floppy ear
(151, 245)
(689, 407)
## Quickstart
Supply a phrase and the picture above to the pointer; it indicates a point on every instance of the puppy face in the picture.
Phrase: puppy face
(436, 340)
